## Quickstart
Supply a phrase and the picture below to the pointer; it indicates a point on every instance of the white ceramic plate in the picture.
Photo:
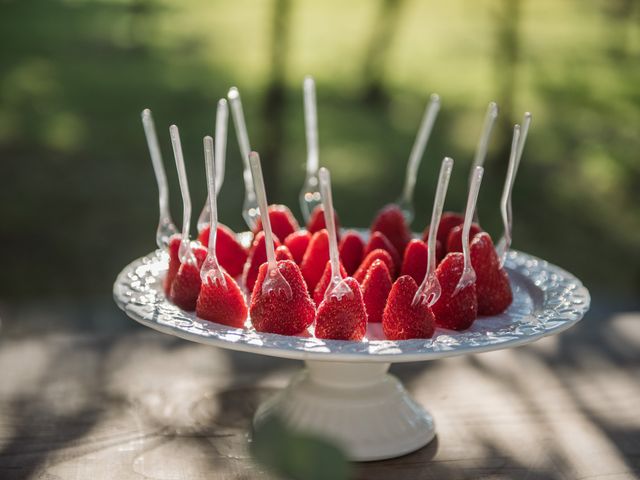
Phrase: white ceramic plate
(547, 300)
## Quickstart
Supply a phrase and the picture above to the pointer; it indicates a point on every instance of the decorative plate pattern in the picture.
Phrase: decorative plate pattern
(547, 300)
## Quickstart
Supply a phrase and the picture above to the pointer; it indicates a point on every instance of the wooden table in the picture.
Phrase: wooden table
(87, 394)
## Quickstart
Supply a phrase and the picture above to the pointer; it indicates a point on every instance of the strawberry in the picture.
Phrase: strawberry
(414, 262)
(283, 253)
(375, 289)
(342, 318)
(316, 221)
(257, 256)
(400, 319)
(391, 222)
(174, 264)
(455, 312)
(186, 285)
(297, 244)
(283, 223)
(351, 251)
(379, 240)
(231, 255)
(223, 304)
(377, 254)
(454, 240)
(492, 282)
(274, 312)
(321, 287)
(447, 222)
(315, 258)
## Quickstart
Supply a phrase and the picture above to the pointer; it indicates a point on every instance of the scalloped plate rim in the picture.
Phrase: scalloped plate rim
(293, 347)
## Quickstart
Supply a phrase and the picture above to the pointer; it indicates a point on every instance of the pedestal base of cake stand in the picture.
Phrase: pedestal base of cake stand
(359, 406)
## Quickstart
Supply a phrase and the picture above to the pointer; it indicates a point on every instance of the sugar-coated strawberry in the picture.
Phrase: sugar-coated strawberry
(174, 264)
(377, 254)
(230, 253)
(379, 240)
(297, 244)
(455, 312)
(351, 251)
(375, 290)
(223, 304)
(415, 258)
(316, 221)
(391, 222)
(454, 240)
(342, 318)
(492, 282)
(274, 312)
(447, 222)
(400, 319)
(283, 223)
(315, 258)
(283, 253)
(257, 256)
(323, 283)
(186, 285)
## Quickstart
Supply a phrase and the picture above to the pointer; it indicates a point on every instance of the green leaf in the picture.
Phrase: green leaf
(295, 455)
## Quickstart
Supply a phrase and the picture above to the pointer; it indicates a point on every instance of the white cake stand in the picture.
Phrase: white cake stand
(345, 393)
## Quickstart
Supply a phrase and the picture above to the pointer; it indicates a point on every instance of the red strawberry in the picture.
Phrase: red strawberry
(321, 287)
(447, 222)
(344, 318)
(400, 319)
(315, 258)
(223, 304)
(375, 290)
(377, 254)
(174, 264)
(351, 251)
(275, 313)
(257, 256)
(454, 240)
(186, 285)
(414, 263)
(391, 222)
(379, 240)
(316, 221)
(455, 312)
(297, 244)
(492, 281)
(283, 223)
(440, 251)
(231, 255)
(283, 253)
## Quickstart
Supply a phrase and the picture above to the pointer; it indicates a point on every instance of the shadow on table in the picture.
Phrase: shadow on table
(59, 393)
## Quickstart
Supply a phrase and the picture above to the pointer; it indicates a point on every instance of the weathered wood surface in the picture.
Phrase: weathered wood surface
(87, 394)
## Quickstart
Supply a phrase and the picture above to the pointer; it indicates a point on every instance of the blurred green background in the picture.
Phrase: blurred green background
(78, 195)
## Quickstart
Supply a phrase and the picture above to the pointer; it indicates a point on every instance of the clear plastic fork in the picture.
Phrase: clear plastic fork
(415, 157)
(483, 145)
(274, 282)
(220, 154)
(309, 195)
(338, 287)
(429, 290)
(517, 147)
(211, 270)
(166, 227)
(185, 253)
(468, 276)
(250, 210)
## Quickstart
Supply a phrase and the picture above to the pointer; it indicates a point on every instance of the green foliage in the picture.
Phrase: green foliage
(296, 456)
(76, 185)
